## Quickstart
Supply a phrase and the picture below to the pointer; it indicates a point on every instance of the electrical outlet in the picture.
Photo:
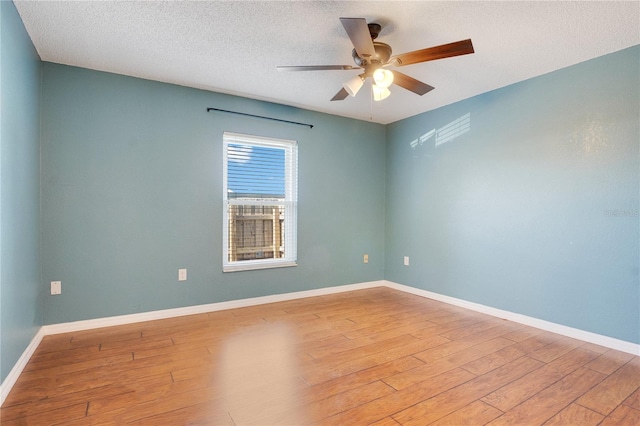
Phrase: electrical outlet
(182, 274)
(56, 287)
(406, 261)
(366, 258)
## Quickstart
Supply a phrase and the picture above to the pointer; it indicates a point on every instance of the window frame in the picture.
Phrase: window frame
(290, 203)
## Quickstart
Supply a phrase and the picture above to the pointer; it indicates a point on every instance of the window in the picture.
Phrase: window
(260, 202)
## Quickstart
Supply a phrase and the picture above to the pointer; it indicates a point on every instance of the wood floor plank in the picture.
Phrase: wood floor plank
(51, 417)
(376, 356)
(609, 361)
(622, 415)
(550, 401)
(524, 388)
(34, 388)
(614, 389)
(389, 330)
(357, 359)
(105, 335)
(524, 333)
(555, 349)
(595, 348)
(454, 346)
(440, 329)
(167, 403)
(576, 415)
(535, 342)
(140, 391)
(634, 400)
(200, 414)
(332, 371)
(477, 412)
(252, 403)
(317, 410)
(362, 377)
(50, 404)
(437, 407)
(452, 317)
(387, 421)
(42, 359)
(493, 360)
(387, 406)
(335, 347)
(137, 345)
(55, 343)
(571, 361)
(436, 366)
(461, 333)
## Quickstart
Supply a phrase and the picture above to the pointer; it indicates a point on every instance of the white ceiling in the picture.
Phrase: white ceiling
(234, 46)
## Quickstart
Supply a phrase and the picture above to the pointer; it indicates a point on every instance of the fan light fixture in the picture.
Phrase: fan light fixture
(353, 85)
(380, 93)
(383, 78)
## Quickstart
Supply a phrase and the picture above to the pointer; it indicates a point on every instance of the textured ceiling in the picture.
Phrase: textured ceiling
(234, 46)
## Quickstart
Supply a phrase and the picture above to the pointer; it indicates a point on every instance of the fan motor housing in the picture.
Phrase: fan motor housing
(383, 53)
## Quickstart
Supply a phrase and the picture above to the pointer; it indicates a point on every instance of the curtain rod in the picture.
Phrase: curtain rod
(260, 116)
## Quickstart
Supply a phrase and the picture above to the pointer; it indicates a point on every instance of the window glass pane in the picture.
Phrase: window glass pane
(255, 172)
(256, 232)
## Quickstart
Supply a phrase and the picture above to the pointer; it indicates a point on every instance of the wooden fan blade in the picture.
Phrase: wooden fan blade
(358, 32)
(340, 96)
(410, 83)
(457, 48)
(316, 68)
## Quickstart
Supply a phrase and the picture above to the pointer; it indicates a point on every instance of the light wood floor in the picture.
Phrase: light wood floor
(376, 356)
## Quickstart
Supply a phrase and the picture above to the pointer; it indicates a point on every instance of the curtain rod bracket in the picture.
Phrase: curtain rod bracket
(260, 116)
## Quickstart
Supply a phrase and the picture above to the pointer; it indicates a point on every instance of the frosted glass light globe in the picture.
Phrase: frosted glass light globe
(383, 78)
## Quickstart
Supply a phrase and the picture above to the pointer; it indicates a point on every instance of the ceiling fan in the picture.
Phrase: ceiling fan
(373, 57)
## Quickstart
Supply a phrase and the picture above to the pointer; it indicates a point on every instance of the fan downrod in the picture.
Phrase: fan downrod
(374, 30)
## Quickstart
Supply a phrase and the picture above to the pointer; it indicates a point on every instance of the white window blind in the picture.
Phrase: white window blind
(260, 202)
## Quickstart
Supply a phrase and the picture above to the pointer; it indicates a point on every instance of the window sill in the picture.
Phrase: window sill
(255, 266)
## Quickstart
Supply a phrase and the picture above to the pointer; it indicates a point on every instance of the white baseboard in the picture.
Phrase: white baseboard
(598, 339)
(15, 372)
(199, 309)
(586, 336)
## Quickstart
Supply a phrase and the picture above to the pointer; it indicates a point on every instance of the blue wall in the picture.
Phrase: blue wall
(531, 204)
(20, 290)
(132, 191)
